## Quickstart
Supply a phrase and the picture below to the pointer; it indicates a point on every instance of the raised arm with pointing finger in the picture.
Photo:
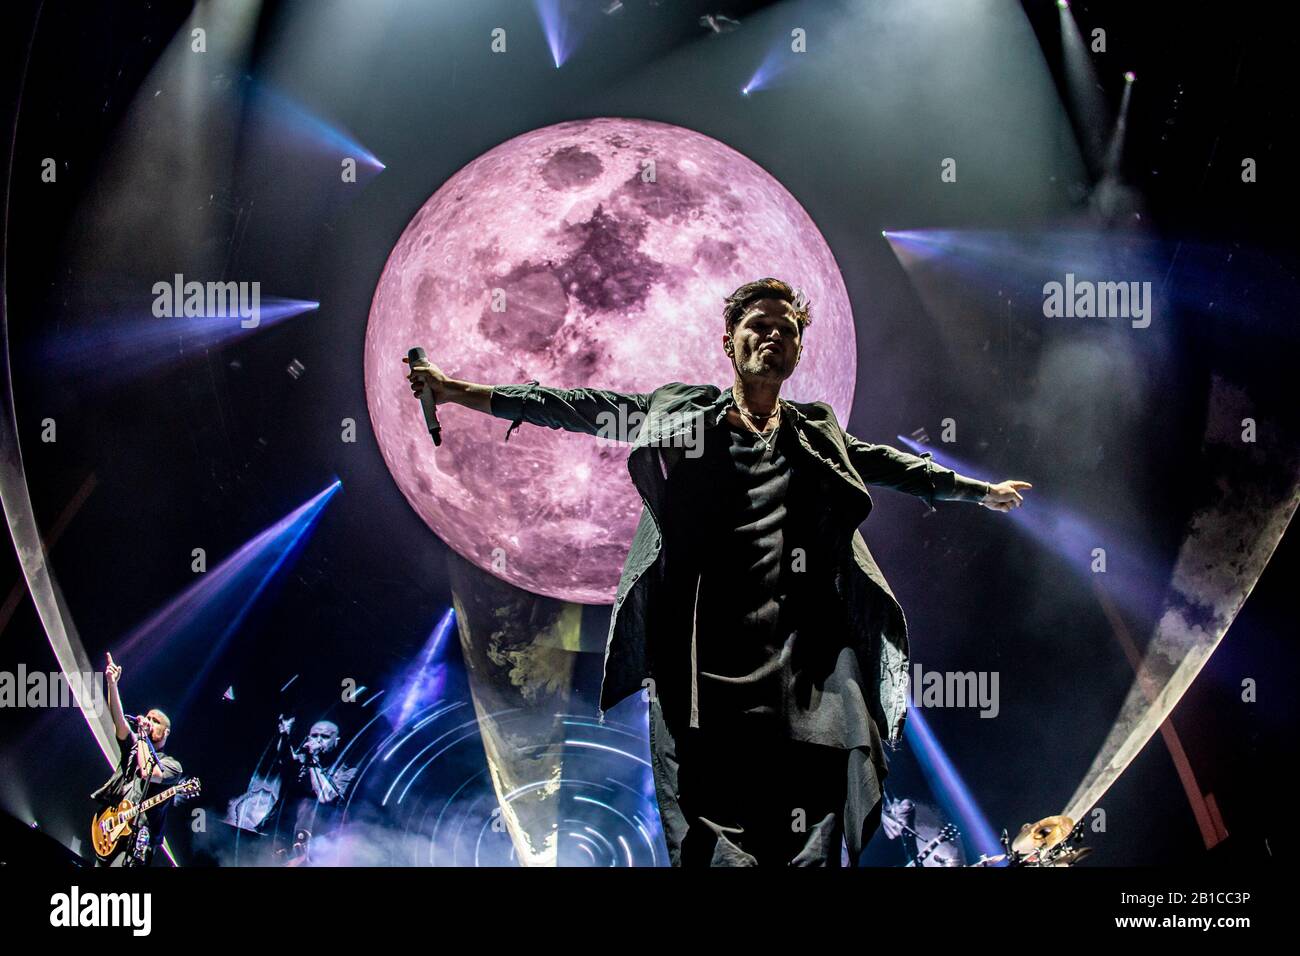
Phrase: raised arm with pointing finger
(113, 673)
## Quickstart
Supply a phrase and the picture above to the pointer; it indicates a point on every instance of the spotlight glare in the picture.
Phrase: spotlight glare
(1063, 4)
(1130, 76)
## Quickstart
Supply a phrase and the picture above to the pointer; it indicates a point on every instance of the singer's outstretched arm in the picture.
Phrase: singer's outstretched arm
(589, 410)
(887, 466)
(919, 476)
(592, 411)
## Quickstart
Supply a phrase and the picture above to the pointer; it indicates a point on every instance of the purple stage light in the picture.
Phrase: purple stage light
(125, 344)
(284, 120)
(1037, 254)
(1017, 266)
(777, 61)
(1248, 286)
(559, 24)
(1130, 576)
(424, 682)
(213, 608)
(277, 309)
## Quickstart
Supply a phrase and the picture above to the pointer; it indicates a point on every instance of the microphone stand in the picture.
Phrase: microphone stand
(151, 764)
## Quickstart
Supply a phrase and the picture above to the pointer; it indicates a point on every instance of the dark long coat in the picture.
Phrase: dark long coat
(639, 642)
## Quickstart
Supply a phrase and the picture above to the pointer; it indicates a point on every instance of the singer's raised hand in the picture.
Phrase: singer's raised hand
(113, 674)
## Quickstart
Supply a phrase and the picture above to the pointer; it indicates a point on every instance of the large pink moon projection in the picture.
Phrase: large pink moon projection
(614, 242)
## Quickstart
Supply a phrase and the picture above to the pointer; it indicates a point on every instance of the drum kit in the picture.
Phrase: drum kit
(1052, 841)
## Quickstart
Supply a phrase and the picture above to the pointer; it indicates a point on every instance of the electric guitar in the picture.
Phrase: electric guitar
(113, 823)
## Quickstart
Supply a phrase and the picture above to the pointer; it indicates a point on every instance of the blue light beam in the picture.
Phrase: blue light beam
(210, 611)
(948, 786)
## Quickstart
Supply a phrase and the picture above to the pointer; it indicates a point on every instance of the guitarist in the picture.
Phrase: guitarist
(142, 770)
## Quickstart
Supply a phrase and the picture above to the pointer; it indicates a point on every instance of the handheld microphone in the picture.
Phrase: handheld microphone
(426, 399)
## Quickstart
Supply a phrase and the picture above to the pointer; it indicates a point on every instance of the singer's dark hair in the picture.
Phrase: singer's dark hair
(767, 288)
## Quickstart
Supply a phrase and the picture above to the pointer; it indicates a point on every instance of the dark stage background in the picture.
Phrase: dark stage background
(221, 442)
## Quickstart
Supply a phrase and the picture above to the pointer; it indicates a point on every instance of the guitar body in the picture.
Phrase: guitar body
(113, 823)
(108, 827)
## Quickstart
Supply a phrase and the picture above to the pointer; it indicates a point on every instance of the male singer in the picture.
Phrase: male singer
(773, 653)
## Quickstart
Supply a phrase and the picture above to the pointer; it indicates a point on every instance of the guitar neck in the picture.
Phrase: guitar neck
(943, 837)
(155, 800)
(925, 852)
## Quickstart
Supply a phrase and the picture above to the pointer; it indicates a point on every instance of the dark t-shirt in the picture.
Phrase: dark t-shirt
(743, 627)
(772, 654)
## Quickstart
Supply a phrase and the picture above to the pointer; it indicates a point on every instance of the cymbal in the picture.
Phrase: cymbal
(1042, 835)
